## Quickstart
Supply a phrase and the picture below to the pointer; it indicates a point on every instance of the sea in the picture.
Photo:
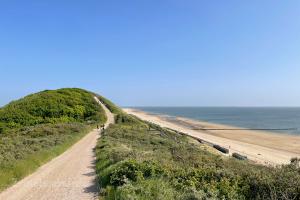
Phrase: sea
(275, 119)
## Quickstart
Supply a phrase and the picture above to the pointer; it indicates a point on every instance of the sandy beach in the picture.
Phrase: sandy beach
(259, 146)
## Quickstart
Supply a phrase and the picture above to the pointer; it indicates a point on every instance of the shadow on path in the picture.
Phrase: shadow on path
(93, 188)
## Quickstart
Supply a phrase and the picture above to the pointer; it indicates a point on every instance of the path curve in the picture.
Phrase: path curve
(70, 176)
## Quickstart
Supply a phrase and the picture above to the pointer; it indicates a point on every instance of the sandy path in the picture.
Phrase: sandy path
(260, 147)
(68, 176)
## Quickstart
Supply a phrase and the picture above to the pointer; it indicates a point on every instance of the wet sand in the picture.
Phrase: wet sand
(259, 146)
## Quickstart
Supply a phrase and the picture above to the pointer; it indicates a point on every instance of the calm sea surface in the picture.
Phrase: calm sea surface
(254, 118)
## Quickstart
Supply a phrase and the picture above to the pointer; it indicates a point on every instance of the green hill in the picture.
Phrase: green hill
(139, 160)
(56, 106)
(40, 126)
(135, 159)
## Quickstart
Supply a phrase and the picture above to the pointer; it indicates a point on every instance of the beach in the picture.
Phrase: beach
(259, 146)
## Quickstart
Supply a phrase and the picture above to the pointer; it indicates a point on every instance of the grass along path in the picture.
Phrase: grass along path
(40, 126)
(69, 176)
(17, 170)
(140, 160)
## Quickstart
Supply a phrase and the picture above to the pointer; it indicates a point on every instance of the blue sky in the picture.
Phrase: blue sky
(154, 52)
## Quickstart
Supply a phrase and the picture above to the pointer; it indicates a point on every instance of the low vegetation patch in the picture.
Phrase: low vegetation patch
(111, 106)
(41, 126)
(139, 160)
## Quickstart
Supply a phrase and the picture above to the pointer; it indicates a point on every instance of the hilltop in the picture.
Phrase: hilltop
(51, 106)
(135, 159)
(40, 126)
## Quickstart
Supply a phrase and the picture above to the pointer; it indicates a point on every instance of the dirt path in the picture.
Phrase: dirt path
(68, 176)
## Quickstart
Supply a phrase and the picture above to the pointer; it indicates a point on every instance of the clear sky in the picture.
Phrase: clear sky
(154, 52)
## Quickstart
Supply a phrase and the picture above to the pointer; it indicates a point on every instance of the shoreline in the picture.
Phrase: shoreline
(262, 147)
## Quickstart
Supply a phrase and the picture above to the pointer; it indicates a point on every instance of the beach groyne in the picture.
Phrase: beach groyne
(265, 148)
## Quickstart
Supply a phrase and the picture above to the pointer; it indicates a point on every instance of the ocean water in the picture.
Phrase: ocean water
(245, 117)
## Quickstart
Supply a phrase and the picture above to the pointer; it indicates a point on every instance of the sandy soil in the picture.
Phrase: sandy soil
(68, 176)
(261, 147)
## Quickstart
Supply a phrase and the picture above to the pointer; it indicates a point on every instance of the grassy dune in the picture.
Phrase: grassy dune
(138, 160)
(41, 126)
(135, 159)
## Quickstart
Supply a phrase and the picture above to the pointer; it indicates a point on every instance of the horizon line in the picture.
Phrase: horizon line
(210, 106)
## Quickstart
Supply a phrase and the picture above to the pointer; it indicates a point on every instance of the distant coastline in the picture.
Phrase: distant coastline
(260, 146)
(283, 120)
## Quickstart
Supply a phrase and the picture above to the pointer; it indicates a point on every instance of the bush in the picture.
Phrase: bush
(2, 128)
(136, 158)
(111, 106)
(295, 161)
(149, 189)
(52, 106)
(131, 170)
(123, 118)
(40, 126)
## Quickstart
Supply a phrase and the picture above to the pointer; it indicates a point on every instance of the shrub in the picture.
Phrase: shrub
(123, 118)
(2, 128)
(148, 189)
(42, 125)
(52, 106)
(136, 158)
(295, 160)
(111, 106)
(132, 170)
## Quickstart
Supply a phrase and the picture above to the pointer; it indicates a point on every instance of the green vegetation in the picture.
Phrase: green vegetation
(135, 159)
(111, 106)
(64, 105)
(41, 126)
(138, 160)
